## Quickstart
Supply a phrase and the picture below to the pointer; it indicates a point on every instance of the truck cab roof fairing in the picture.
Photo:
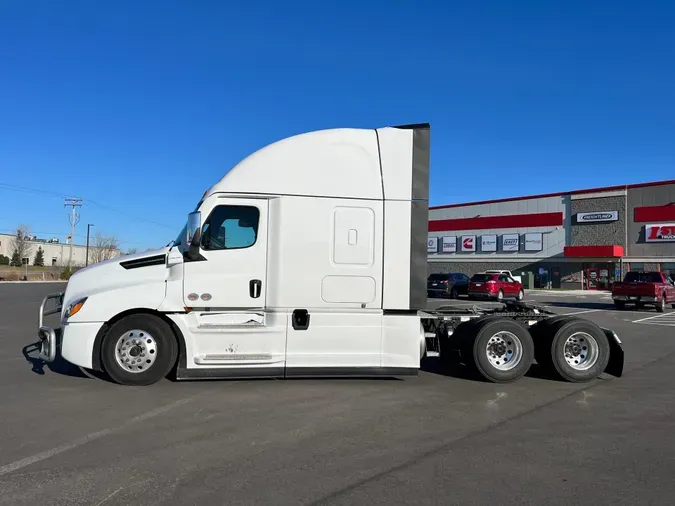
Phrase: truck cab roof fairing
(341, 162)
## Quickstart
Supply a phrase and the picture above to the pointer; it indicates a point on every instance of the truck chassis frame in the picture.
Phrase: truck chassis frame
(454, 334)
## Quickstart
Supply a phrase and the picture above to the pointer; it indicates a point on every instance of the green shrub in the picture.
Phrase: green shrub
(66, 273)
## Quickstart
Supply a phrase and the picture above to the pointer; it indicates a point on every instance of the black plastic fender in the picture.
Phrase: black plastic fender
(616, 354)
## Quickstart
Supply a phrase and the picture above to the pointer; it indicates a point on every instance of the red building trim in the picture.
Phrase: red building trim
(504, 221)
(654, 213)
(558, 194)
(613, 251)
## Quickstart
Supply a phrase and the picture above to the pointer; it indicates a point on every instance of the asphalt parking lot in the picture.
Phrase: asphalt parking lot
(66, 438)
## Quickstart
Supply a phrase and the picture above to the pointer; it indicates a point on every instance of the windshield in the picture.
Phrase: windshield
(181, 234)
(179, 240)
(482, 277)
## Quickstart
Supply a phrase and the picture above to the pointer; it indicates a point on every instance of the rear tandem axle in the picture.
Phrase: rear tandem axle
(500, 345)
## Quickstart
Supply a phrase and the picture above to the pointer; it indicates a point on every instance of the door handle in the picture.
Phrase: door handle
(300, 319)
(255, 288)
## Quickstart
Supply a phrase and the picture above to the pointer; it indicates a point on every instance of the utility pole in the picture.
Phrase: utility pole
(89, 225)
(74, 217)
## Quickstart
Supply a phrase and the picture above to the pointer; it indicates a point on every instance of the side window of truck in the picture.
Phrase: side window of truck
(230, 227)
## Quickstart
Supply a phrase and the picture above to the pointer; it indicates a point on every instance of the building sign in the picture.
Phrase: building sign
(449, 244)
(468, 243)
(663, 232)
(510, 242)
(488, 243)
(432, 245)
(534, 241)
(597, 217)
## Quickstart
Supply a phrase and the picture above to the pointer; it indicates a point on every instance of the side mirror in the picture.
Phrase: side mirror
(194, 235)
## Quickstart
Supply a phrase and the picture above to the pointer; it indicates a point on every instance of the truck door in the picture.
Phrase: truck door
(227, 288)
(231, 272)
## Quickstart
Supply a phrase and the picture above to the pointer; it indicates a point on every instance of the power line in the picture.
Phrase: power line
(130, 215)
(86, 201)
(10, 231)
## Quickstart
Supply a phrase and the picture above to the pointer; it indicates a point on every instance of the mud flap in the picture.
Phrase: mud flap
(616, 354)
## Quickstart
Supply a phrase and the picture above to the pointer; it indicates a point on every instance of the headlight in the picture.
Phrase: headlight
(75, 307)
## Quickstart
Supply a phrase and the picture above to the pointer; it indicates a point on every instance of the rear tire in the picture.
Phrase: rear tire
(578, 349)
(619, 304)
(139, 350)
(454, 294)
(499, 349)
(500, 296)
(661, 306)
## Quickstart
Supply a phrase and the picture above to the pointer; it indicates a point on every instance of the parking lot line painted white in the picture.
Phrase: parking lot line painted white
(19, 464)
(661, 315)
(583, 312)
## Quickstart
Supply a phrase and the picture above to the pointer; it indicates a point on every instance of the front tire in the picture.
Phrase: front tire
(521, 296)
(139, 350)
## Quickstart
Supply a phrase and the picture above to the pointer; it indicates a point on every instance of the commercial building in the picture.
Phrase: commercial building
(580, 239)
(55, 253)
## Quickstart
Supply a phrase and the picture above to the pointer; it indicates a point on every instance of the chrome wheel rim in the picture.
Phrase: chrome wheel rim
(521, 295)
(581, 351)
(504, 351)
(136, 351)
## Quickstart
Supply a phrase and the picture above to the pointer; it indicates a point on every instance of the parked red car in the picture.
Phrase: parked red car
(495, 286)
(644, 288)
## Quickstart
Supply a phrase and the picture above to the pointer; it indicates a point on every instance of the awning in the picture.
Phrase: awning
(612, 251)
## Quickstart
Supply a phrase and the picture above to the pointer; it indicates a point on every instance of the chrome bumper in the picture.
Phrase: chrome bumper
(46, 334)
(635, 298)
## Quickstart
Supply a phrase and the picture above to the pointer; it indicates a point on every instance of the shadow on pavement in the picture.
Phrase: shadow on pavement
(434, 365)
(58, 366)
(579, 305)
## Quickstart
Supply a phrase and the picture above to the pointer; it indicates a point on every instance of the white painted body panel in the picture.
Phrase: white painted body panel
(78, 342)
(337, 339)
(111, 289)
(312, 266)
(333, 239)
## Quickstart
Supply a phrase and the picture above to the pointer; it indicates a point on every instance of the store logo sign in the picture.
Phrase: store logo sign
(597, 217)
(468, 243)
(510, 242)
(534, 241)
(432, 245)
(663, 232)
(488, 243)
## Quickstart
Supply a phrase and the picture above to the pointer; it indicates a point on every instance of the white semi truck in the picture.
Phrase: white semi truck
(307, 259)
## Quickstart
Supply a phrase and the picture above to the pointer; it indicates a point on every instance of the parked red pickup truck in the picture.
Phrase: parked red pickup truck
(644, 289)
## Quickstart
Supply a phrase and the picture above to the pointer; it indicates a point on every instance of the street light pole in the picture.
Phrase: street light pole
(86, 262)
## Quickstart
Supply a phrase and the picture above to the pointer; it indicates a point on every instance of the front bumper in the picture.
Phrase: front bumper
(47, 335)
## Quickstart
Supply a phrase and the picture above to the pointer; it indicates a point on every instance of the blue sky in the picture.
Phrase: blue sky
(138, 107)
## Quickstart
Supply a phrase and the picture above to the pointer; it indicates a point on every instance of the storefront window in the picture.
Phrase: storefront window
(637, 266)
(668, 269)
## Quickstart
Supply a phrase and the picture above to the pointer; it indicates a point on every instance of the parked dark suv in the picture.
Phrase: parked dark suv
(450, 285)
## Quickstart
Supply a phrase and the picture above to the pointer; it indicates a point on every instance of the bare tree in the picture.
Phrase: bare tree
(132, 251)
(104, 247)
(20, 245)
